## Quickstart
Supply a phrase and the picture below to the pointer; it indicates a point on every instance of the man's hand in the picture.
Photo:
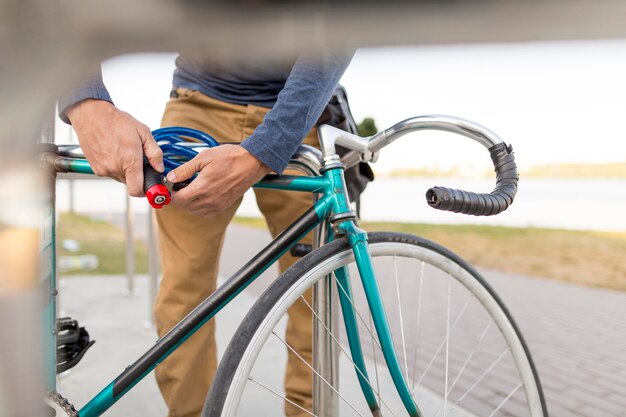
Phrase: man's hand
(114, 143)
(225, 174)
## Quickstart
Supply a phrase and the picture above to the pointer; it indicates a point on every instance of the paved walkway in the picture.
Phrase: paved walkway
(577, 335)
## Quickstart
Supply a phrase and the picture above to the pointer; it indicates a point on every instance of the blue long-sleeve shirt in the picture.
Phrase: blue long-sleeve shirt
(296, 94)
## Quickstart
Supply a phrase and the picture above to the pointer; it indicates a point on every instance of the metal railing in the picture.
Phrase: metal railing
(129, 226)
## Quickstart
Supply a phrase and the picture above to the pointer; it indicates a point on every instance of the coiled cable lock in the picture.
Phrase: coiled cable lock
(172, 141)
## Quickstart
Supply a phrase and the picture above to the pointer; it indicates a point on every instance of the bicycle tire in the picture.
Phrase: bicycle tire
(233, 374)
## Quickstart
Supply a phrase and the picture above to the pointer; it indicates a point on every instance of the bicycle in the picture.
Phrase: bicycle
(468, 347)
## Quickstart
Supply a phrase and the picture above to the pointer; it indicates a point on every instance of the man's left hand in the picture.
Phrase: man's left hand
(225, 173)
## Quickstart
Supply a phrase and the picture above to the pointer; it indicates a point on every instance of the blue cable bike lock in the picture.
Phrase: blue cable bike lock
(174, 155)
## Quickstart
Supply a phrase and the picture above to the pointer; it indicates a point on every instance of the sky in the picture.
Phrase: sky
(554, 102)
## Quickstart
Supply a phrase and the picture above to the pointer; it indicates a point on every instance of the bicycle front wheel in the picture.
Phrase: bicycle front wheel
(459, 348)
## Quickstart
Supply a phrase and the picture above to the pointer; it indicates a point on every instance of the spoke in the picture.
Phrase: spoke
(357, 313)
(348, 355)
(506, 399)
(419, 317)
(316, 373)
(445, 395)
(406, 367)
(482, 336)
(281, 396)
(483, 375)
(466, 363)
(443, 342)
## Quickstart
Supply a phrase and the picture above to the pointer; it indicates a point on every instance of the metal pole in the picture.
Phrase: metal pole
(153, 266)
(70, 181)
(130, 249)
(50, 250)
(71, 194)
(325, 351)
(27, 290)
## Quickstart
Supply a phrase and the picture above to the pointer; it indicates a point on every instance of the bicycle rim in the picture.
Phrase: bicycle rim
(458, 346)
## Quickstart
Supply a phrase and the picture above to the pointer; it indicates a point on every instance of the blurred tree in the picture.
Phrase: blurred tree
(367, 127)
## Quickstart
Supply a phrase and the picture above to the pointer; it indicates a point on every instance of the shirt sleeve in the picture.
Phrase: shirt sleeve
(307, 90)
(93, 87)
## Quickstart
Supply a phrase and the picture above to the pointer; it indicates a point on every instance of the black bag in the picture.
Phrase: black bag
(337, 114)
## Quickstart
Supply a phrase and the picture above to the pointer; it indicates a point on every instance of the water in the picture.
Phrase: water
(584, 204)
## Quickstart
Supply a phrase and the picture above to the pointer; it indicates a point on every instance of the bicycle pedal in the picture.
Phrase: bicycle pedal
(301, 250)
(72, 343)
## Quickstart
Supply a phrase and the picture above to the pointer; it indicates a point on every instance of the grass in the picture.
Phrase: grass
(613, 170)
(102, 239)
(588, 258)
(570, 171)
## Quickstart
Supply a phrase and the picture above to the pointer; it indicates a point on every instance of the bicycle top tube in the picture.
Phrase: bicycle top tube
(330, 183)
(71, 159)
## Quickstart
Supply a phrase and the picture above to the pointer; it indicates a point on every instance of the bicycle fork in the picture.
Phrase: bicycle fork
(358, 241)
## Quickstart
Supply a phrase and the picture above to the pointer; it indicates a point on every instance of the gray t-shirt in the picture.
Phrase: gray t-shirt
(238, 83)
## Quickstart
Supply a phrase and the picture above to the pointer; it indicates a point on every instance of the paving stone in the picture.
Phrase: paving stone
(559, 411)
(597, 411)
(554, 384)
(577, 336)
(617, 399)
(591, 401)
(566, 401)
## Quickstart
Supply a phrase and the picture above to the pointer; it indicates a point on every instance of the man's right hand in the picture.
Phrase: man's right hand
(114, 142)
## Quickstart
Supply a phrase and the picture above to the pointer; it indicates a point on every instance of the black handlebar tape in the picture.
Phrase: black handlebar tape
(151, 176)
(497, 201)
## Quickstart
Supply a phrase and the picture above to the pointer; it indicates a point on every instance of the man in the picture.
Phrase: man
(270, 108)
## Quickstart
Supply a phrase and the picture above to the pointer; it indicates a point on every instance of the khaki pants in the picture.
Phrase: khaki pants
(190, 248)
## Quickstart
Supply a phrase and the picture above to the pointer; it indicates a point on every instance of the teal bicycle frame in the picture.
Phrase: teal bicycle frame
(332, 205)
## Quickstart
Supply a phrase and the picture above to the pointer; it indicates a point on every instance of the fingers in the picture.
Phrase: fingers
(151, 149)
(202, 197)
(225, 173)
(133, 171)
(114, 143)
(186, 196)
(189, 168)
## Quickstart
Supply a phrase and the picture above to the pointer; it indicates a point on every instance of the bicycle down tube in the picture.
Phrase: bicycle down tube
(206, 310)
(333, 201)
